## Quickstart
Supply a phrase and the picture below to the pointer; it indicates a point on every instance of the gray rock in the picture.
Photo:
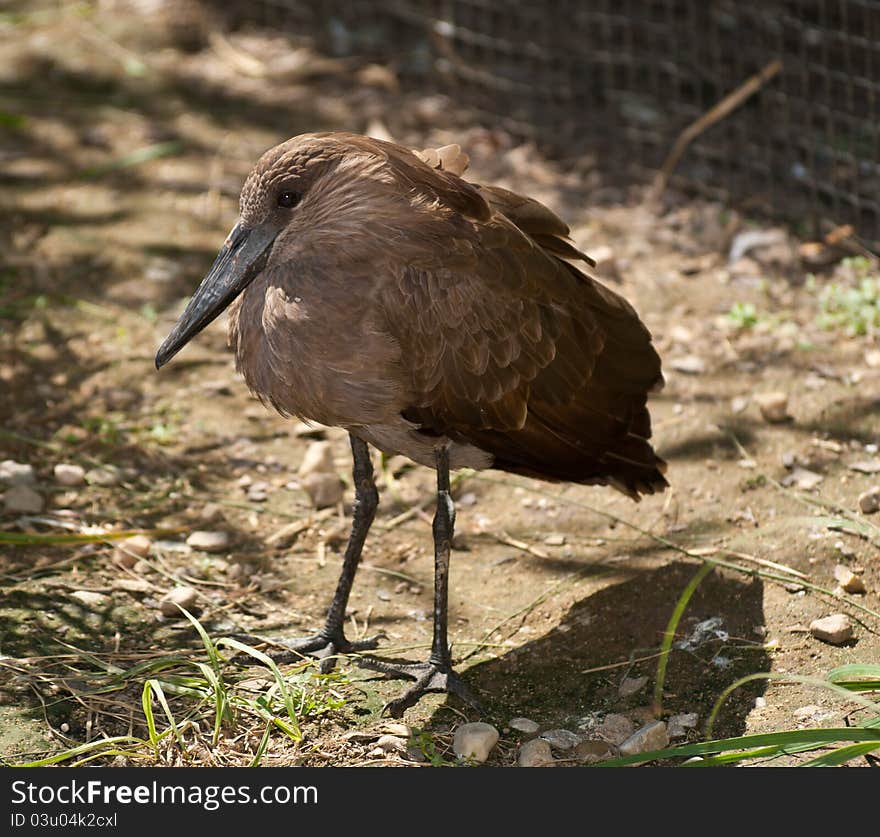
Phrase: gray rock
(324, 489)
(22, 499)
(835, 629)
(689, 364)
(467, 499)
(592, 750)
(128, 552)
(90, 599)
(69, 475)
(652, 736)
(535, 753)
(561, 739)
(848, 580)
(555, 540)
(524, 725)
(180, 596)
(869, 501)
(105, 476)
(206, 541)
(474, 741)
(678, 725)
(802, 478)
(615, 728)
(16, 473)
(318, 460)
(631, 685)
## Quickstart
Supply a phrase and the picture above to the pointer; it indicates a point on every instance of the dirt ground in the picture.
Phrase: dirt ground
(123, 142)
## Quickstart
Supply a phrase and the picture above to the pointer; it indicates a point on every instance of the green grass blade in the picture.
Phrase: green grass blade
(842, 755)
(147, 704)
(671, 628)
(91, 747)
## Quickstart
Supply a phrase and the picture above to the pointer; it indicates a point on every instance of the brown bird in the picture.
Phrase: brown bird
(373, 288)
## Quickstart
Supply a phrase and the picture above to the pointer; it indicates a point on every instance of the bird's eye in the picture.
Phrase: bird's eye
(288, 199)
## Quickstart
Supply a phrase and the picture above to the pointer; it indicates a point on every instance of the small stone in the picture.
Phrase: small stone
(773, 406)
(688, 364)
(128, 552)
(400, 730)
(802, 478)
(535, 753)
(474, 741)
(318, 460)
(866, 466)
(178, 597)
(209, 541)
(652, 736)
(90, 599)
(524, 725)
(323, 489)
(835, 629)
(22, 499)
(104, 476)
(555, 540)
(678, 725)
(142, 568)
(760, 703)
(869, 501)
(467, 499)
(16, 473)
(392, 744)
(631, 685)
(739, 403)
(592, 750)
(615, 728)
(561, 739)
(848, 580)
(68, 474)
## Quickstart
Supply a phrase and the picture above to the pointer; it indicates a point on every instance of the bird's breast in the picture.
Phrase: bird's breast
(312, 350)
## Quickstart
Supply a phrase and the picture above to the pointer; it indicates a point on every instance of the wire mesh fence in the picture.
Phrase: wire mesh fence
(623, 78)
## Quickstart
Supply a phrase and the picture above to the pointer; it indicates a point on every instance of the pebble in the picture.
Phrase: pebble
(524, 725)
(678, 725)
(835, 629)
(848, 580)
(555, 540)
(865, 466)
(106, 476)
(209, 541)
(652, 736)
(560, 739)
(323, 489)
(180, 596)
(467, 499)
(318, 460)
(474, 741)
(739, 403)
(535, 753)
(90, 599)
(392, 744)
(631, 685)
(689, 364)
(22, 499)
(869, 501)
(802, 478)
(773, 406)
(68, 474)
(400, 730)
(16, 473)
(128, 552)
(592, 750)
(616, 728)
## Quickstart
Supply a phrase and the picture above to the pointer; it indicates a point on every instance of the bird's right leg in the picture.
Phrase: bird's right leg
(331, 640)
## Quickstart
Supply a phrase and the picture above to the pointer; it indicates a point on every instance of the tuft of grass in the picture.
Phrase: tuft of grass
(851, 305)
(201, 709)
(743, 315)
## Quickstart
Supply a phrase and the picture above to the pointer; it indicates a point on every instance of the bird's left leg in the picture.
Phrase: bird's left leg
(435, 675)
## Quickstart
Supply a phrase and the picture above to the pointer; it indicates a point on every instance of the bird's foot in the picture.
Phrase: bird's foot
(429, 677)
(323, 646)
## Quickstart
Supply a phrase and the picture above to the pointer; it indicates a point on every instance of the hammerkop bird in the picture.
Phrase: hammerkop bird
(373, 288)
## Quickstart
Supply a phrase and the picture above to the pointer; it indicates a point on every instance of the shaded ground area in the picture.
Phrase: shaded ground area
(123, 144)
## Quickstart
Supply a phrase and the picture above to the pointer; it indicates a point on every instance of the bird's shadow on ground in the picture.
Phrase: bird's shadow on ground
(565, 675)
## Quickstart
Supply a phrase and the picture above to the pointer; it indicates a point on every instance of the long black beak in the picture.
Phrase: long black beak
(241, 258)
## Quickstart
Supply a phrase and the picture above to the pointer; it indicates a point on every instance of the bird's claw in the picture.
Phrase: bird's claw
(429, 677)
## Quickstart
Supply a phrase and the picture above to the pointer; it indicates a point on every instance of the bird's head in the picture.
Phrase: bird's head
(313, 192)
